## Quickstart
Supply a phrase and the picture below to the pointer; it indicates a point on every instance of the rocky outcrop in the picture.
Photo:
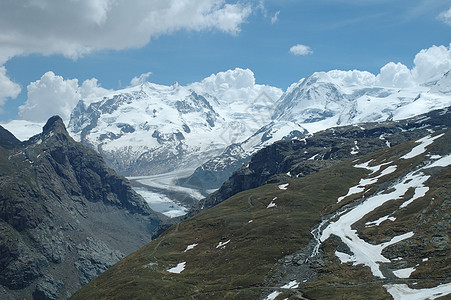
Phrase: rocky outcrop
(65, 217)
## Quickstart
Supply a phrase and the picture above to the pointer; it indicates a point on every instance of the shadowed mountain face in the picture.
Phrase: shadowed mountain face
(375, 226)
(65, 217)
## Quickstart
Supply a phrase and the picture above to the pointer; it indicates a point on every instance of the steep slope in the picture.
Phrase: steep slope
(325, 100)
(372, 227)
(301, 157)
(65, 217)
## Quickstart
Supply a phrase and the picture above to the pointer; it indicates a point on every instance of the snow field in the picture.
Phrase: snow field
(363, 252)
(189, 247)
(272, 203)
(283, 186)
(403, 292)
(421, 148)
(178, 269)
(364, 182)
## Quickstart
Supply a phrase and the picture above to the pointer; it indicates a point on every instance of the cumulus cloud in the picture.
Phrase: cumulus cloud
(352, 77)
(140, 79)
(432, 63)
(54, 95)
(73, 28)
(8, 88)
(395, 75)
(300, 49)
(231, 79)
(234, 86)
(445, 17)
(429, 66)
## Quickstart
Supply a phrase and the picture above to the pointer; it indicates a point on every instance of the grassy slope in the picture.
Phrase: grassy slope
(238, 271)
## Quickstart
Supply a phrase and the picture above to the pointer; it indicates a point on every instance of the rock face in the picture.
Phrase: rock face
(65, 217)
(304, 156)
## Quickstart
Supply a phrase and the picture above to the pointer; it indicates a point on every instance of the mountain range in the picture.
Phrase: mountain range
(214, 126)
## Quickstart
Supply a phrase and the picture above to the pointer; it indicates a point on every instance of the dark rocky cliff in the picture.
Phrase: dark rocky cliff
(65, 217)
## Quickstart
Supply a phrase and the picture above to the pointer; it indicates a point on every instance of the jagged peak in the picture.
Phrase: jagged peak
(54, 124)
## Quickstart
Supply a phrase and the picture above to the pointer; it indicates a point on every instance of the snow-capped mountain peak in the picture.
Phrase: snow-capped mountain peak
(152, 128)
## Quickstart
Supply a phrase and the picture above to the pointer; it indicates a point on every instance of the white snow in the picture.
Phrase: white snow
(379, 221)
(442, 162)
(364, 252)
(273, 295)
(283, 186)
(23, 130)
(222, 244)
(404, 273)
(364, 182)
(421, 148)
(272, 203)
(178, 269)
(190, 247)
(313, 157)
(291, 285)
(403, 292)
(355, 149)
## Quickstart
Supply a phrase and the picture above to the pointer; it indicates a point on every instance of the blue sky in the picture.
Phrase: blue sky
(340, 34)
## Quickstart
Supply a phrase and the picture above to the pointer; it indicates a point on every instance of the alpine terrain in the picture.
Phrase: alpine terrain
(375, 224)
(65, 217)
(199, 134)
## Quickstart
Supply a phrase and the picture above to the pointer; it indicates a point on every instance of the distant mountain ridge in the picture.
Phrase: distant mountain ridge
(151, 129)
(325, 100)
(65, 217)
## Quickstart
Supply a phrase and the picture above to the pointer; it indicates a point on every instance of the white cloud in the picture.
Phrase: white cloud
(352, 77)
(76, 27)
(54, 95)
(300, 49)
(445, 16)
(432, 63)
(429, 66)
(90, 88)
(73, 28)
(275, 18)
(231, 79)
(141, 79)
(395, 75)
(8, 88)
